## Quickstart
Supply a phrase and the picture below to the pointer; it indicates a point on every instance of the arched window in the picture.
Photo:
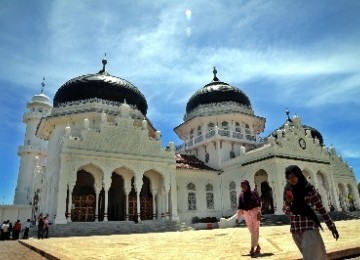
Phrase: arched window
(209, 196)
(232, 189)
(191, 196)
(210, 126)
(225, 125)
(237, 127)
(247, 129)
(199, 132)
(191, 134)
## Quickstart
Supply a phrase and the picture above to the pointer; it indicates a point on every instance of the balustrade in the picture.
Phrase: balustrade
(223, 133)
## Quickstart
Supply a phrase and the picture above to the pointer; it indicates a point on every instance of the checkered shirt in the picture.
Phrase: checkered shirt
(298, 223)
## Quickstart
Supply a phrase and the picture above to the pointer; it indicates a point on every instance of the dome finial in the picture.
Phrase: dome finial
(288, 117)
(42, 85)
(214, 72)
(104, 62)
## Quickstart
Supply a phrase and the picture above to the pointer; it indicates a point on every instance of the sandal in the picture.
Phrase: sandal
(258, 248)
(252, 252)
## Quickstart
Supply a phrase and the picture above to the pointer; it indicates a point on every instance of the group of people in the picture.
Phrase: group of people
(43, 226)
(12, 231)
(300, 200)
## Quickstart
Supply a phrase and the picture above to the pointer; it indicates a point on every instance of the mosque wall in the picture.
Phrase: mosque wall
(201, 184)
(15, 212)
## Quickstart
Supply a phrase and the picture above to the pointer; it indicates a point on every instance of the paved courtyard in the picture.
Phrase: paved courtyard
(231, 243)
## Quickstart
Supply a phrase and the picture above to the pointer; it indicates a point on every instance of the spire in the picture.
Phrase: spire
(288, 117)
(214, 72)
(104, 62)
(42, 85)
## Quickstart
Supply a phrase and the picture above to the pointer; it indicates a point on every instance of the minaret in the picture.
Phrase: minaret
(33, 152)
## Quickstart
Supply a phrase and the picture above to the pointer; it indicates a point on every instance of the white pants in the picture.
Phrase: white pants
(253, 225)
(311, 245)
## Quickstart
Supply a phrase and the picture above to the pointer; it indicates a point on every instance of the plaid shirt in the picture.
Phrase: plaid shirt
(298, 223)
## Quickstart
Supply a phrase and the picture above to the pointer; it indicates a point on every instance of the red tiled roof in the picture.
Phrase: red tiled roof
(185, 161)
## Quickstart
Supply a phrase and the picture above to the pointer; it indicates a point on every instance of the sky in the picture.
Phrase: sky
(300, 55)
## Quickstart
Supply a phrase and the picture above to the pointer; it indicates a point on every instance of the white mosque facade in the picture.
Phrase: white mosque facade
(93, 155)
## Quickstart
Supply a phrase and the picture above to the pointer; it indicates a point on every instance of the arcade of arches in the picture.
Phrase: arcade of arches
(85, 206)
(319, 180)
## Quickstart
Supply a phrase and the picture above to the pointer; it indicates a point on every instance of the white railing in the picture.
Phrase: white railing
(223, 133)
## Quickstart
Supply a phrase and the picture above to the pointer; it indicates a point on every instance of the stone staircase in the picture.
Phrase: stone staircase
(152, 226)
(112, 228)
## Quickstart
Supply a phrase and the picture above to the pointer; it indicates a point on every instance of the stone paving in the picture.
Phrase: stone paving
(13, 250)
(230, 243)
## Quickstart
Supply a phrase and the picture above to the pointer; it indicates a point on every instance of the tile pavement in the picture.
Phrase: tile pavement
(230, 243)
(13, 250)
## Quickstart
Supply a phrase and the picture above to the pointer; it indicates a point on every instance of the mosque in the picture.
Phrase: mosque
(93, 155)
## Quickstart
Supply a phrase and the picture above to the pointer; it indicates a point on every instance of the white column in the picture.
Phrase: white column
(127, 204)
(71, 189)
(167, 213)
(97, 199)
(153, 204)
(61, 203)
(138, 185)
(106, 186)
(106, 189)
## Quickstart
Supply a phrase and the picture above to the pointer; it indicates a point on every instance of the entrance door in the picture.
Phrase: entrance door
(83, 199)
(116, 203)
(145, 208)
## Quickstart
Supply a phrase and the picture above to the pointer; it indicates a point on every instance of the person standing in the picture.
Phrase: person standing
(300, 197)
(40, 226)
(5, 230)
(27, 228)
(16, 230)
(250, 207)
(46, 226)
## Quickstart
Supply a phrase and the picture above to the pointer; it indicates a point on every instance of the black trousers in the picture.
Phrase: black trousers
(26, 233)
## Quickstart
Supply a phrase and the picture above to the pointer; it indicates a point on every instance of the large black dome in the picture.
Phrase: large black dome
(103, 86)
(217, 92)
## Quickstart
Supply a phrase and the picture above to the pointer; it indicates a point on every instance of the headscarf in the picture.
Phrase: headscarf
(299, 192)
(248, 199)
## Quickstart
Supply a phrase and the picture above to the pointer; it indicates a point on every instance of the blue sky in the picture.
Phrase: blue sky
(304, 55)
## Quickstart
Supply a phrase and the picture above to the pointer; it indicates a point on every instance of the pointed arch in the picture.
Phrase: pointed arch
(83, 197)
(265, 191)
(233, 195)
(191, 192)
(209, 196)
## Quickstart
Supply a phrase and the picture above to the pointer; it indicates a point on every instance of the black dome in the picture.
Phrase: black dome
(217, 92)
(103, 86)
(314, 133)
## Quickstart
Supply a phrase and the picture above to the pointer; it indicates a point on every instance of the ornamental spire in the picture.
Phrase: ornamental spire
(104, 62)
(42, 85)
(288, 117)
(214, 72)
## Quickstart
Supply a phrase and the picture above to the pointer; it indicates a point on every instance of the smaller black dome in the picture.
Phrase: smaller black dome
(217, 92)
(103, 86)
(314, 133)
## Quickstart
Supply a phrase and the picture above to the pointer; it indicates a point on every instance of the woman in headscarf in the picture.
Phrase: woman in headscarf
(300, 197)
(250, 207)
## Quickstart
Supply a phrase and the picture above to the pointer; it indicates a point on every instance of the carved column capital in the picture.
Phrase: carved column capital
(138, 182)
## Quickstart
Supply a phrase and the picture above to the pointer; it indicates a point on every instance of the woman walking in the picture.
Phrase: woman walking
(250, 207)
(300, 197)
